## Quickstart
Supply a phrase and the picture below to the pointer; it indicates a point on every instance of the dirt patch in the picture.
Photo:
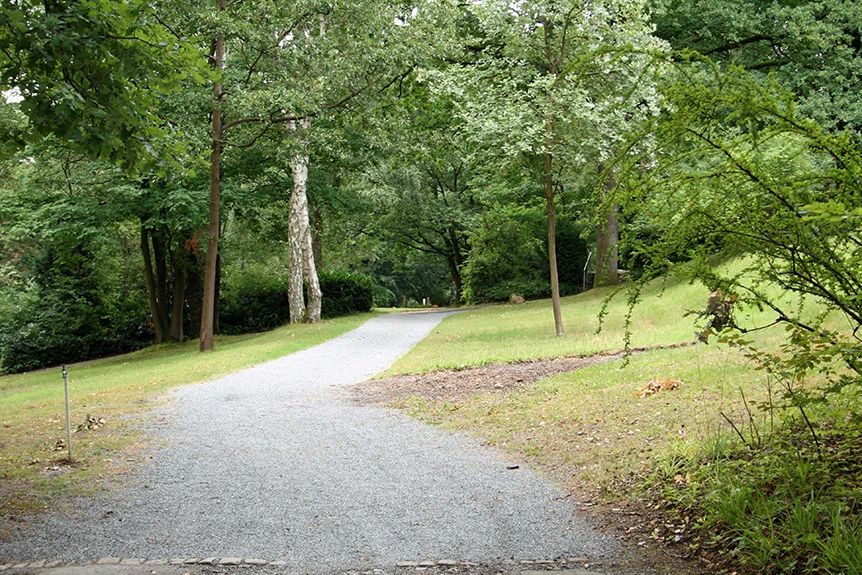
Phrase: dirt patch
(457, 385)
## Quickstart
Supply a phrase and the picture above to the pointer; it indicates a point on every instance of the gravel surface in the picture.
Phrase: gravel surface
(277, 462)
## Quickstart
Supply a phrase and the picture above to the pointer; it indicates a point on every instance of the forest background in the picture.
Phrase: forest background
(169, 171)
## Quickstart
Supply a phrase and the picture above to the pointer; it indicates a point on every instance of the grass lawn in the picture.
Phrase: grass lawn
(591, 427)
(119, 389)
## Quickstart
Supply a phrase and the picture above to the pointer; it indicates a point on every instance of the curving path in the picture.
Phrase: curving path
(275, 462)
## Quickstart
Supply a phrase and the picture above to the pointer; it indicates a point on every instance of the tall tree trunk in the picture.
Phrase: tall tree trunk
(552, 232)
(178, 268)
(156, 310)
(300, 240)
(295, 295)
(607, 240)
(317, 232)
(208, 307)
(161, 267)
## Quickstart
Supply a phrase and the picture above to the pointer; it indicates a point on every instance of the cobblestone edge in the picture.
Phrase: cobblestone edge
(540, 564)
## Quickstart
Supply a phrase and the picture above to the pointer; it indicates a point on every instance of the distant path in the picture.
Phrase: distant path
(275, 462)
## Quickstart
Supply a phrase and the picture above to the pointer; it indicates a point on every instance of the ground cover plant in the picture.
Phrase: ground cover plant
(108, 399)
(679, 440)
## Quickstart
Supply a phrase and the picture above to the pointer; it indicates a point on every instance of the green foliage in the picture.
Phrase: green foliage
(90, 73)
(346, 293)
(510, 256)
(784, 504)
(253, 303)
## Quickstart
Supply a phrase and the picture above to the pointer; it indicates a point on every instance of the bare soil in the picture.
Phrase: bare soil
(627, 517)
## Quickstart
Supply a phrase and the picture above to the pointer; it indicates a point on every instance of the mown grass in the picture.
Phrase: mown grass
(119, 389)
(752, 484)
(510, 333)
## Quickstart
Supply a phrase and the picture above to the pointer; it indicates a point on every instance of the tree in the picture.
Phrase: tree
(812, 47)
(555, 87)
(91, 72)
(420, 184)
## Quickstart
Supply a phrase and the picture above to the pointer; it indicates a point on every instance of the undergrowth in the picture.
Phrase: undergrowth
(783, 498)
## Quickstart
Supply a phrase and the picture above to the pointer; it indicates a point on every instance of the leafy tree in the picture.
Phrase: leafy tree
(91, 73)
(554, 88)
(420, 188)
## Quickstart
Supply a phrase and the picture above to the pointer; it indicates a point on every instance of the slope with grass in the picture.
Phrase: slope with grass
(703, 462)
(33, 469)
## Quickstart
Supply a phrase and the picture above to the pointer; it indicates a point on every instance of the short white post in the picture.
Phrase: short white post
(68, 417)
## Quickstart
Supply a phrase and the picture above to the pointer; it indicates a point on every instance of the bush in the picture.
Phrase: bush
(253, 304)
(42, 328)
(510, 255)
(345, 293)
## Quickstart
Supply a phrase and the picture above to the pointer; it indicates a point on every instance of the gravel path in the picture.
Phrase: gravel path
(276, 462)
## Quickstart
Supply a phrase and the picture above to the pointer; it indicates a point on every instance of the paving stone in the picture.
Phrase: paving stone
(208, 561)
(407, 564)
(448, 562)
(19, 566)
(427, 563)
(577, 559)
(563, 572)
(108, 561)
(36, 565)
(157, 562)
(231, 561)
(132, 561)
(544, 562)
(278, 564)
(5, 566)
(256, 562)
(191, 561)
(52, 564)
(176, 561)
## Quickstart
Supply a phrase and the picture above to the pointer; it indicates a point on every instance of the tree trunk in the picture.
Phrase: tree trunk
(607, 240)
(295, 295)
(208, 307)
(300, 240)
(317, 232)
(552, 232)
(161, 267)
(178, 267)
(155, 307)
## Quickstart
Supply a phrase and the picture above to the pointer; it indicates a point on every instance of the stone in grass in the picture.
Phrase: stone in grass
(231, 561)
(407, 564)
(256, 562)
(448, 563)
(52, 564)
(427, 563)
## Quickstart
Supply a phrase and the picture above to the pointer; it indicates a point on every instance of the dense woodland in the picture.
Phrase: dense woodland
(169, 171)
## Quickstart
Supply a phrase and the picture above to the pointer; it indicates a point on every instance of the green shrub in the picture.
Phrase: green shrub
(509, 254)
(345, 293)
(253, 305)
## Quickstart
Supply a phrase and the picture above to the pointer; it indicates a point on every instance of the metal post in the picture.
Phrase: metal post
(68, 418)
(586, 265)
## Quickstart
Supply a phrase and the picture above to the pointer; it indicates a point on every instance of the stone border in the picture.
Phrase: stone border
(542, 564)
